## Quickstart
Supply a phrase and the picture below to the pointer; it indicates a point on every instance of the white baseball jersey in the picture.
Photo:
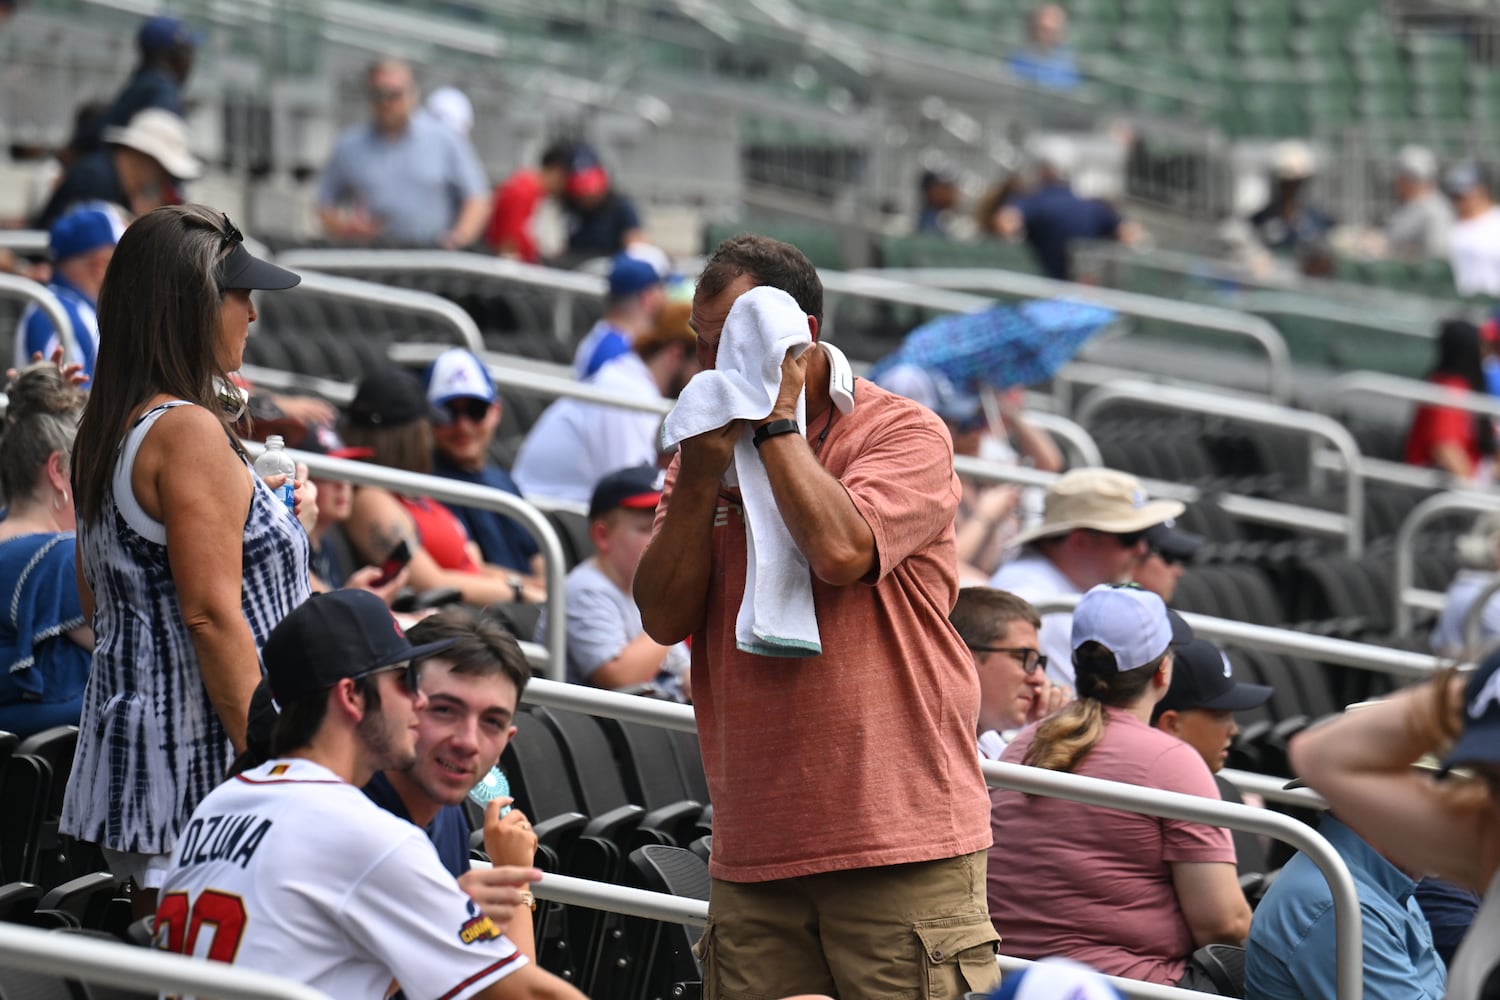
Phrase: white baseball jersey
(287, 869)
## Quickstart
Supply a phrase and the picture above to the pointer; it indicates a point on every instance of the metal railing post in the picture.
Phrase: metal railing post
(465, 495)
(1406, 540)
(1252, 412)
(406, 299)
(1177, 805)
(42, 295)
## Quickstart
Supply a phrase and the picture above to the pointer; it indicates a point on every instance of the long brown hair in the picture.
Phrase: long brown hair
(159, 324)
(1063, 739)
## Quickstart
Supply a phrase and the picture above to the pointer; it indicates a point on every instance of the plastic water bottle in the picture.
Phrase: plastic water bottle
(274, 461)
(492, 786)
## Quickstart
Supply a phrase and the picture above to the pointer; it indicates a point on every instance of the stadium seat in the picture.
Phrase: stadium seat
(25, 788)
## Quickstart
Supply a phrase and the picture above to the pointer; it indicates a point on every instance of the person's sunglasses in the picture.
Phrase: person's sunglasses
(1031, 659)
(474, 409)
(411, 673)
(383, 94)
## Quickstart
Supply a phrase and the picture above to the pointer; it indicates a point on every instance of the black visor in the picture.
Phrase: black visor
(242, 269)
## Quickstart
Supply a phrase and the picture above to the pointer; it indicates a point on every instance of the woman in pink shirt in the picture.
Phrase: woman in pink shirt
(1130, 895)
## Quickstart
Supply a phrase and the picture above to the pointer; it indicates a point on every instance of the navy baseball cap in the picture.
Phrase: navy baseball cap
(1202, 677)
(1479, 743)
(242, 269)
(164, 32)
(343, 633)
(391, 397)
(1171, 542)
(636, 488)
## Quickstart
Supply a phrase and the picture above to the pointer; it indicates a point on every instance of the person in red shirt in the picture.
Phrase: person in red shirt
(516, 200)
(1441, 437)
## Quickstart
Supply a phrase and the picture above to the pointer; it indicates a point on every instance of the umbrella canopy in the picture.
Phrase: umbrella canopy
(1002, 346)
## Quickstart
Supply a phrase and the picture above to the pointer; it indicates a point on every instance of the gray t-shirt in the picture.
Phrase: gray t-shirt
(412, 184)
(1421, 227)
(602, 620)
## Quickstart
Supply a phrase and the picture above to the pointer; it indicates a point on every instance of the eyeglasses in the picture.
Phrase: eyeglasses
(1129, 539)
(475, 409)
(1031, 659)
(382, 94)
(232, 236)
(411, 673)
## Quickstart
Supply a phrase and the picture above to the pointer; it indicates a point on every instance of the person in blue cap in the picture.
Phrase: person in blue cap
(635, 298)
(1361, 762)
(167, 47)
(81, 243)
(458, 384)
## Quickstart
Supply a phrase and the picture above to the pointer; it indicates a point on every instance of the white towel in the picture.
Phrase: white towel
(776, 616)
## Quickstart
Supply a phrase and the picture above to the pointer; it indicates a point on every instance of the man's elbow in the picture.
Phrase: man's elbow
(662, 627)
(842, 565)
(1227, 928)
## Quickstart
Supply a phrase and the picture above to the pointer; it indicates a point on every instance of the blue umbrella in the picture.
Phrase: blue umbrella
(1002, 346)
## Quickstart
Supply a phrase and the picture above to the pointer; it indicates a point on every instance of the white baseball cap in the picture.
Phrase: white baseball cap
(1133, 624)
(458, 374)
(450, 106)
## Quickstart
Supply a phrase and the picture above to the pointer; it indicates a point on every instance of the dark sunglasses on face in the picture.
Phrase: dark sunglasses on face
(383, 94)
(475, 409)
(411, 673)
(1130, 540)
(1031, 659)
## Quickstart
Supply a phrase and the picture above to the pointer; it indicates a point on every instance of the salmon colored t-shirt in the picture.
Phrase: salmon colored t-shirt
(863, 755)
(1095, 884)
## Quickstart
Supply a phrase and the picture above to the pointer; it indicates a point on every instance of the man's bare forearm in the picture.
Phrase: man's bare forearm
(671, 583)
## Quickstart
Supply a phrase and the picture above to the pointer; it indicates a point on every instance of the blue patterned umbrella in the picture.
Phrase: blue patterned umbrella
(1002, 346)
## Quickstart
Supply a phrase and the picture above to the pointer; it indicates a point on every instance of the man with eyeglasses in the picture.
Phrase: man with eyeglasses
(288, 868)
(404, 178)
(1093, 531)
(458, 384)
(1000, 631)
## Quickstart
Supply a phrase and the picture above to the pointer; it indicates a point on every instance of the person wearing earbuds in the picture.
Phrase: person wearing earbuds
(1130, 895)
(186, 558)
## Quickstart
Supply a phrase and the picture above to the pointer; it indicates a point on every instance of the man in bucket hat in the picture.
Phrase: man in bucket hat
(1093, 531)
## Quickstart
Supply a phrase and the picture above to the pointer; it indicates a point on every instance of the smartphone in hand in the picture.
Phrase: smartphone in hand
(393, 563)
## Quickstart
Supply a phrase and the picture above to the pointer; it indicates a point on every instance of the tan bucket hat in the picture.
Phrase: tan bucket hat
(162, 136)
(1101, 500)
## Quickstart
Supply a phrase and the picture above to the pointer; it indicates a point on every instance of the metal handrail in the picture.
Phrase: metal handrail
(1410, 389)
(465, 495)
(405, 299)
(1406, 595)
(1246, 508)
(1348, 934)
(1325, 649)
(1273, 789)
(1056, 784)
(1261, 331)
(566, 285)
(111, 963)
(46, 301)
(1252, 412)
(25, 240)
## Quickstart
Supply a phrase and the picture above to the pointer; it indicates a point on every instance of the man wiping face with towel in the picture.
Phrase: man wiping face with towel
(804, 541)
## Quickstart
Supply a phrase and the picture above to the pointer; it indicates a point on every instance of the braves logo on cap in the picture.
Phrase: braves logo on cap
(1490, 692)
(462, 377)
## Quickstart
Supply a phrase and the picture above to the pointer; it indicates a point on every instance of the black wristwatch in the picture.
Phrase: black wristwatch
(774, 428)
(516, 584)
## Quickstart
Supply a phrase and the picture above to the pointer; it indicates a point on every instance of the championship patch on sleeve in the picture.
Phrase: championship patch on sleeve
(478, 927)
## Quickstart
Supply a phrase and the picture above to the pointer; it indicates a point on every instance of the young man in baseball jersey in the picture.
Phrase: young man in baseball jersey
(288, 868)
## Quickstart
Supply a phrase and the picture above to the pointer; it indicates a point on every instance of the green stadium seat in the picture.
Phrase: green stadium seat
(929, 251)
(821, 245)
